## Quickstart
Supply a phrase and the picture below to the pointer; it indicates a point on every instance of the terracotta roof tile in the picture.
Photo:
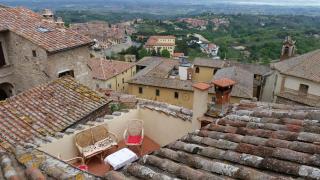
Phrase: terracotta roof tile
(105, 69)
(45, 110)
(245, 144)
(224, 82)
(201, 86)
(27, 24)
(154, 41)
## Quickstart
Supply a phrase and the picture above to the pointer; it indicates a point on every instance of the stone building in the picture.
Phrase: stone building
(297, 80)
(35, 49)
(111, 74)
(159, 43)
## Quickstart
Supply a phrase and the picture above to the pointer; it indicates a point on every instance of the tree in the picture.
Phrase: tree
(165, 53)
(143, 53)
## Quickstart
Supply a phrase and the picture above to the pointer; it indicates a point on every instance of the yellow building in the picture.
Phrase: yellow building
(111, 74)
(159, 43)
(204, 69)
(158, 79)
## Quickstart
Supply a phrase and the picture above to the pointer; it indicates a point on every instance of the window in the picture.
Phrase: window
(109, 86)
(197, 69)
(140, 90)
(34, 53)
(303, 89)
(2, 60)
(122, 80)
(97, 86)
(66, 73)
(176, 95)
(157, 92)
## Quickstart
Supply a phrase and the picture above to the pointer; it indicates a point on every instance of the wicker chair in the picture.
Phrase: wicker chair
(95, 141)
(134, 134)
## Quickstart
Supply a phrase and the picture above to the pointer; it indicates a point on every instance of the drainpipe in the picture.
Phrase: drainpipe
(200, 103)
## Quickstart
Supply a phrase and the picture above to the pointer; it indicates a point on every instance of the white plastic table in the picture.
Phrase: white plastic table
(121, 158)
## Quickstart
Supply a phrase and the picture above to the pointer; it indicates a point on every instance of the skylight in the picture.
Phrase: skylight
(43, 29)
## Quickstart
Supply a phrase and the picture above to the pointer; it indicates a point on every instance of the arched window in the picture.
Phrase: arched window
(197, 69)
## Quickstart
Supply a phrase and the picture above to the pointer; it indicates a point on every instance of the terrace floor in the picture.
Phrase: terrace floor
(99, 168)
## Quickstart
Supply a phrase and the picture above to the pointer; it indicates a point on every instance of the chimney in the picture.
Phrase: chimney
(223, 88)
(184, 69)
(48, 15)
(200, 101)
(59, 22)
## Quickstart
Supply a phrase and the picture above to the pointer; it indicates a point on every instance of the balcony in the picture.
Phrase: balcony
(160, 129)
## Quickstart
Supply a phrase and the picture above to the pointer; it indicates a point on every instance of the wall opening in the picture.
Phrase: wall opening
(66, 73)
(6, 91)
(2, 59)
(303, 89)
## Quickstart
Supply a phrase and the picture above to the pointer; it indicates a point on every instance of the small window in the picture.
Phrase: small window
(66, 73)
(197, 70)
(176, 95)
(109, 86)
(157, 92)
(2, 59)
(34, 53)
(122, 80)
(97, 86)
(303, 89)
(140, 90)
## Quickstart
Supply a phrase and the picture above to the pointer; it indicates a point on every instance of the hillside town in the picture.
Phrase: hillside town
(69, 110)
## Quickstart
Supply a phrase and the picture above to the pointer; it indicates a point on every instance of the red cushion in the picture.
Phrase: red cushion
(83, 167)
(134, 139)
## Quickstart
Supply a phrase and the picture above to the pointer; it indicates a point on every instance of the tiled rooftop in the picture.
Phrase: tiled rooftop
(244, 80)
(154, 41)
(304, 66)
(45, 110)
(103, 69)
(254, 141)
(206, 62)
(26, 23)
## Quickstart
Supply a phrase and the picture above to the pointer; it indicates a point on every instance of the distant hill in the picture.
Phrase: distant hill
(178, 7)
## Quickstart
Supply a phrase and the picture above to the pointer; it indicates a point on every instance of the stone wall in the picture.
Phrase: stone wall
(28, 71)
(73, 59)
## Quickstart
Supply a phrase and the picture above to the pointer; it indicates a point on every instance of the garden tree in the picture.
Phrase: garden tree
(143, 53)
(165, 53)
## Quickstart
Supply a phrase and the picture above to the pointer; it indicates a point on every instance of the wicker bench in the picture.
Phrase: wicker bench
(95, 141)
